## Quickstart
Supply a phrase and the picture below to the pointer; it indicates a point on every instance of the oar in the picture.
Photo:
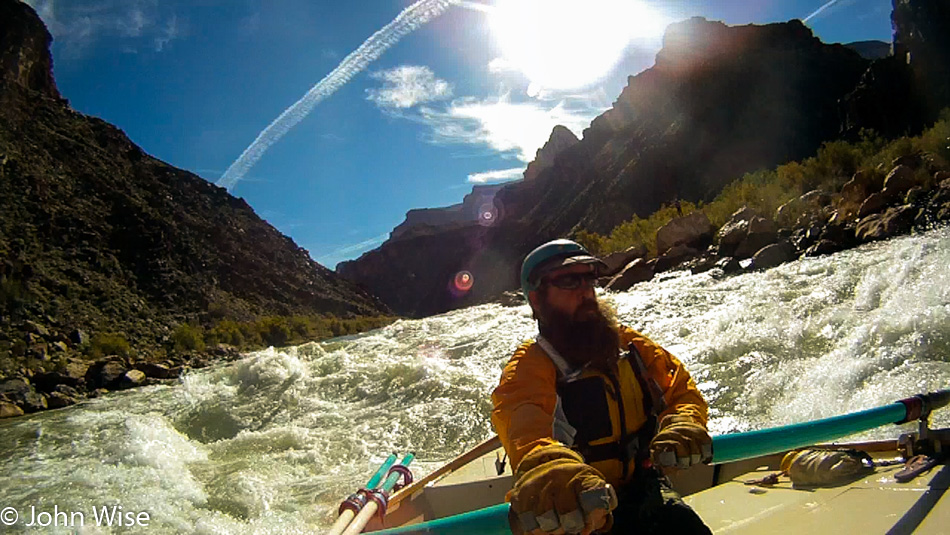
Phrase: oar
(347, 514)
(367, 512)
(493, 520)
(737, 446)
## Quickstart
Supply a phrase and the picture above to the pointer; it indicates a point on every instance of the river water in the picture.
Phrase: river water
(273, 442)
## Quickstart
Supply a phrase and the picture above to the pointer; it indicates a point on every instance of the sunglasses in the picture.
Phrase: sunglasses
(572, 281)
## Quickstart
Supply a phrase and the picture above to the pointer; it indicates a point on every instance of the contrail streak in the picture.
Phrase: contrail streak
(405, 23)
(819, 10)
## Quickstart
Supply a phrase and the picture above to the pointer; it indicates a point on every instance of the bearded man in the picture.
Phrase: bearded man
(590, 407)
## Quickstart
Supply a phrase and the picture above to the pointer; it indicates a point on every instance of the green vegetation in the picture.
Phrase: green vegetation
(109, 344)
(766, 190)
(637, 231)
(188, 338)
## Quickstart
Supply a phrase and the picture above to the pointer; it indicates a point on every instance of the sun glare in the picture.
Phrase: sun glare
(567, 44)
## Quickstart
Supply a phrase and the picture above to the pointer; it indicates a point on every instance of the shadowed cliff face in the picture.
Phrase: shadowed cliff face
(720, 101)
(24, 50)
(96, 234)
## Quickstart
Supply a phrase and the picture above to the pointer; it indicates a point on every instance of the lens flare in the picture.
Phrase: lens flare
(463, 281)
(487, 214)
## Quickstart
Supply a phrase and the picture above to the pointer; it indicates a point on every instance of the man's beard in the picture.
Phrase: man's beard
(588, 337)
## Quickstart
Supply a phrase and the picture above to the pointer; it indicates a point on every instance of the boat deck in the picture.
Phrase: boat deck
(873, 504)
(876, 503)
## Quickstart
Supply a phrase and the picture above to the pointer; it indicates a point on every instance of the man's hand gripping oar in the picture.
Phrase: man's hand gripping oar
(555, 492)
(680, 442)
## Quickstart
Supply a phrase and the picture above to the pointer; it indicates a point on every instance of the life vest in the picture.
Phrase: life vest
(605, 416)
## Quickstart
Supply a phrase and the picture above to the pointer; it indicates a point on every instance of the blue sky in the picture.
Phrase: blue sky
(448, 94)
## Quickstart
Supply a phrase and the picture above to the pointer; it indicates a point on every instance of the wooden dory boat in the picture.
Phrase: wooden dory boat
(873, 503)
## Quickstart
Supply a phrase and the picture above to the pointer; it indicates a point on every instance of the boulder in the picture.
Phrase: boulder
(58, 400)
(14, 389)
(159, 371)
(47, 382)
(703, 264)
(37, 351)
(942, 178)
(861, 185)
(637, 271)
(773, 255)
(807, 205)
(35, 328)
(899, 181)
(729, 265)
(510, 298)
(105, 374)
(872, 205)
(33, 401)
(694, 231)
(731, 235)
(619, 260)
(891, 223)
(761, 232)
(824, 247)
(675, 256)
(9, 410)
(132, 378)
(78, 337)
(59, 347)
(915, 195)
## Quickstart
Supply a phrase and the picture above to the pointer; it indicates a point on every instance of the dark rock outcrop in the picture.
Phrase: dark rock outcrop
(561, 138)
(636, 271)
(618, 261)
(871, 49)
(25, 61)
(693, 230)
(773, 255)
(476, 207)
(905, 92)
(96, 235)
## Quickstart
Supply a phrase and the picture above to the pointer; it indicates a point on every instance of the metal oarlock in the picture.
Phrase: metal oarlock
(381, 499)
(354, 502)
(406, 476)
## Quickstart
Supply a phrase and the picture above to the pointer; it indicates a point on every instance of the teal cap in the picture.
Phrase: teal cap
(550, 256)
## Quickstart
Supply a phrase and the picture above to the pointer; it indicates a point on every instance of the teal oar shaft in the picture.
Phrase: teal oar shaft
(383, 468)
(394, 476)
(358, 523)
(488, 521)
(733, 447)
(494, 520)
(351, 505)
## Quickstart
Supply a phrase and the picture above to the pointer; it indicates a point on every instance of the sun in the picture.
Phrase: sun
(569, 44)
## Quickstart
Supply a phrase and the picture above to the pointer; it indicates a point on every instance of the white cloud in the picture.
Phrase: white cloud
(499, 65)
(407, 86)
(516, 128)
(407, 21)
(78, 24)
(498, 175)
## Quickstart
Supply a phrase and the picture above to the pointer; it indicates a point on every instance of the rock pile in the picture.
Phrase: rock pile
(55, 374)
(914, 194)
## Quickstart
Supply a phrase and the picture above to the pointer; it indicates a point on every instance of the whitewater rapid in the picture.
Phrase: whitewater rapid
(273, 442)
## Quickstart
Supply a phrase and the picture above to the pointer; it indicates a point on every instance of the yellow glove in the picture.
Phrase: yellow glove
(680, 443)
(555, 491)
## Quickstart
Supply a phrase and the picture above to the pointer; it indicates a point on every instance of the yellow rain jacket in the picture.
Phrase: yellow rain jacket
(528, 412)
